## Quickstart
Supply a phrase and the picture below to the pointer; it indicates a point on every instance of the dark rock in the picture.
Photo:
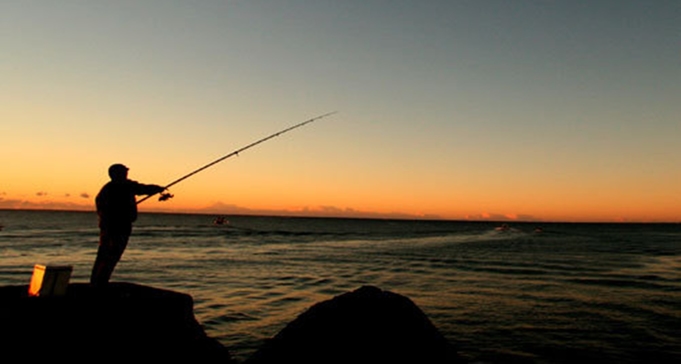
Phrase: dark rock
(367, 325)
(132, 322)
(123, 321)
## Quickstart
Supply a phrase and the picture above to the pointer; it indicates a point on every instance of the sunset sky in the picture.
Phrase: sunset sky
(521, 110)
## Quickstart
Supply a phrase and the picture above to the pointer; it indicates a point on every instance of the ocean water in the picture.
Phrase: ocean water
(607, 293)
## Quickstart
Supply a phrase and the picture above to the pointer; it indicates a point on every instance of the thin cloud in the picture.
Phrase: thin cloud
(43, 205)
(487, 216)
(321, 211)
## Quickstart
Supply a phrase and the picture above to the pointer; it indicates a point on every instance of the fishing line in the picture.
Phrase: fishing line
(167, 196)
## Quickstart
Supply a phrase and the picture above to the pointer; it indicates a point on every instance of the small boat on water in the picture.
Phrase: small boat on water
(220, 220)
(503, 227)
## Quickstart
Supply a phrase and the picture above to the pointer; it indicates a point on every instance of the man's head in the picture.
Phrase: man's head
(118, 172)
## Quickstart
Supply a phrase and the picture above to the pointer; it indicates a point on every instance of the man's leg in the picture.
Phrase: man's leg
(109, 252)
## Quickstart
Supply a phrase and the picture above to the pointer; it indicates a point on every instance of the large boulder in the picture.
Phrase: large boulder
(121, 322)
(367, 325)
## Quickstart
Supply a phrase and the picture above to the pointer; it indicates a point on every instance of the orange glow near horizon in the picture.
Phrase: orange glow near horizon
(251, 185)
(336, 208)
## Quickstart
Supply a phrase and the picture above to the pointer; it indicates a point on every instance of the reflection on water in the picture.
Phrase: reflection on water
(573, 292)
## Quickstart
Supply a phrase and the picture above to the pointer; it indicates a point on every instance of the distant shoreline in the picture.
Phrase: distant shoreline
(303, 216)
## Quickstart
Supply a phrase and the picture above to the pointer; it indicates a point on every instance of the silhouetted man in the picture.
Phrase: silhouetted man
(117, 210)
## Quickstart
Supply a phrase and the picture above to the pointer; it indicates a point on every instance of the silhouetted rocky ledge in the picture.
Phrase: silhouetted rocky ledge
(122, 322)
(367, 325)
(129, 321)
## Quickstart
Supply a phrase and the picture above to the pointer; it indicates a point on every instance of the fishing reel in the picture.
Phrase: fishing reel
(165, 196)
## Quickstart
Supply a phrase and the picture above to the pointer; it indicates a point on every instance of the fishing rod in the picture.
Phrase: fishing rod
(166, 196)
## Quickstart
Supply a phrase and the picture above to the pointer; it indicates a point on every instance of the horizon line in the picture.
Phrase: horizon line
(404, 217)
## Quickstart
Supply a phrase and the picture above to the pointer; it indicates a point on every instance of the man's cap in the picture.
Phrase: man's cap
(117, 169)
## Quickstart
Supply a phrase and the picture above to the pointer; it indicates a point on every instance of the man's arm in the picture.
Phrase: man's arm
(143, 189)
